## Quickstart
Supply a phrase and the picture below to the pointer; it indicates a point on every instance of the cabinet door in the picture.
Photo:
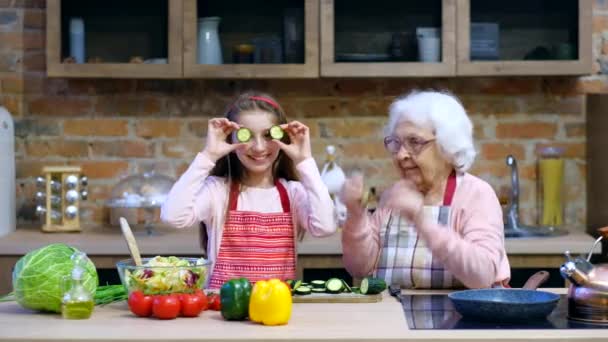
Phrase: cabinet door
(114, 38)
(524, 37)
(388, 38)
(254, 39)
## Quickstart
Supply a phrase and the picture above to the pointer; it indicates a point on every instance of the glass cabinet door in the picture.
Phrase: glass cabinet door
(387, 38)
(251, 39)
(524, 37)
(113, 38)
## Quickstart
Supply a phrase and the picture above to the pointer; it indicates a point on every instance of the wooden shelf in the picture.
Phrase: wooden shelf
(579, 66)
(308, 69)
(54, 48)
(331, 68)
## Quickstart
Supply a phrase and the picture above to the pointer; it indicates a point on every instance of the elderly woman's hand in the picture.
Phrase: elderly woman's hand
(405, 198)
(351, 193)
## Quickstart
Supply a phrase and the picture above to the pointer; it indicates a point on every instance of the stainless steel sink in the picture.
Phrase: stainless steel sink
(513, 227)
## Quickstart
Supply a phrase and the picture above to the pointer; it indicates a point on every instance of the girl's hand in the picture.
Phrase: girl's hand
(299, 148)
(351, 194)
(218, 130)
(404, 198)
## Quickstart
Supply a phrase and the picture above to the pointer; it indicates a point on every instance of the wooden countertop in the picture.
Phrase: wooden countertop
(165, 241)
(382, 321)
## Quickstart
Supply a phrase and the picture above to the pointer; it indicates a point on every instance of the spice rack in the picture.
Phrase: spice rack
(60, 190)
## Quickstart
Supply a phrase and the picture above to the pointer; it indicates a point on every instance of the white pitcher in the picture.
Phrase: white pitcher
(209, 48)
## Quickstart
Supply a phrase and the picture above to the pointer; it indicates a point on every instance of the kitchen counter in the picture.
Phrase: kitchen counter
(109, 241)
(105, 246)
(382, 321)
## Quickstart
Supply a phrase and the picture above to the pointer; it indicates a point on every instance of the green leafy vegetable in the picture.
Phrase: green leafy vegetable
(38, 277)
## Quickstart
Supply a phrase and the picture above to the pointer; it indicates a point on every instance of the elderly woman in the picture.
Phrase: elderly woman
(438, 226)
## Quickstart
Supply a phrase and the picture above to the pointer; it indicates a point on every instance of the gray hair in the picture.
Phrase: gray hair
(443, 113)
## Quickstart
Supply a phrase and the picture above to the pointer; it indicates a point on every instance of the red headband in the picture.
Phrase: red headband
(265, 99)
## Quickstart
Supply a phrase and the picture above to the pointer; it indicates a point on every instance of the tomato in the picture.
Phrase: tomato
(139, 304)
(166, 307)
(203, 298)
(191, 305)
(214, 301)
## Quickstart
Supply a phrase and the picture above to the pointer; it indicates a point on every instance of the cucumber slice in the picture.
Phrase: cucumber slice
(276, 132)
(243, 134)
(302, 290)
(305, 284)
(346, 287)
(371, 285)
(318, 284)
(296, 284)
(318, 290)
(355, 290)
(334, 285)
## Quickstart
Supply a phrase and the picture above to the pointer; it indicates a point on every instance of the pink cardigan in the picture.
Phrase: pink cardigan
(472, 250)
(196, 198)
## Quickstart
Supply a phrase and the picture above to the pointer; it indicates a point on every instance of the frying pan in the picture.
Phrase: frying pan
(501, 304)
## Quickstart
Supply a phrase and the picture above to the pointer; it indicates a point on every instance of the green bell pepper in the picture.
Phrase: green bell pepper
(234, 296)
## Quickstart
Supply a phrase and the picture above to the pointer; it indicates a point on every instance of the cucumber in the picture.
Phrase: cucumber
(334, 285)
(371, 285)
(296, 284)
(318, 290)
(243, 134)
(304, 284)
(276, 132)
(318, 284)
(355, 290)
(302, 290)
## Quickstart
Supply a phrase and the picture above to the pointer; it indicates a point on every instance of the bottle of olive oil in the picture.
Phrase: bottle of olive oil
(77, 301)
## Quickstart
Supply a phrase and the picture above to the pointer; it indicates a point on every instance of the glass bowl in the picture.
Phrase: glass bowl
(163, 275)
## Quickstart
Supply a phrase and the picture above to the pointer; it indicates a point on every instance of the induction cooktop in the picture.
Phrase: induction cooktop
(437, 312)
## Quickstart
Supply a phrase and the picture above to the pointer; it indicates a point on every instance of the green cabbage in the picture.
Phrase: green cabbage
(37, 277)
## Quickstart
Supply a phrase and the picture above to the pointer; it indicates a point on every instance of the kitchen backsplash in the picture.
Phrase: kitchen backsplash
(114, 128)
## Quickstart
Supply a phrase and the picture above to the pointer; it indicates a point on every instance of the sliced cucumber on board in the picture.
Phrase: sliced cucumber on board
(313, 290)
(334, 285)
(318, 284)
(371, 285)
(302, 290)
(346, 287)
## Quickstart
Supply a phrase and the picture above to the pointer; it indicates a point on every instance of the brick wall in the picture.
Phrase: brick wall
(118, 127)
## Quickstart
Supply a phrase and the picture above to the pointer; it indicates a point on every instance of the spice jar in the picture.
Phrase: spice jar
(243, 54)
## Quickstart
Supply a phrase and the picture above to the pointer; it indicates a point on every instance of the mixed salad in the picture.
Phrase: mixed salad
(167, 275)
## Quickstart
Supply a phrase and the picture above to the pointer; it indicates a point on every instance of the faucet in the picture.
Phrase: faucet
(513, 210)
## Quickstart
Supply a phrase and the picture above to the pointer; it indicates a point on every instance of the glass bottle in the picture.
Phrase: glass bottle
(551, 177)
(77, 301)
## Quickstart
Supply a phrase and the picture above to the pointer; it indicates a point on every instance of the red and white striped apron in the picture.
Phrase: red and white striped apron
(255, 245)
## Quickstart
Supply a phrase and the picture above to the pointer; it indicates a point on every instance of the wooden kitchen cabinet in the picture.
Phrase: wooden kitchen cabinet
(368, 39)
(327, 38)
(117, 32)
(524, 37)
(284, 36)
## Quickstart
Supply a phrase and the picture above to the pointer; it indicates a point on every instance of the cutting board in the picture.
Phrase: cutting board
(337, 298)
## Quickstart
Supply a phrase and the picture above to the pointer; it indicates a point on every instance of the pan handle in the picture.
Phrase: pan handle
(536, 280)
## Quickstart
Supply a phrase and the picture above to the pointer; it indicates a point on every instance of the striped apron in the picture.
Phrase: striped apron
(405, 259)
(255, 245)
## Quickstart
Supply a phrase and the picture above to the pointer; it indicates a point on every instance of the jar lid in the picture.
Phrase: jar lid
(551, 152)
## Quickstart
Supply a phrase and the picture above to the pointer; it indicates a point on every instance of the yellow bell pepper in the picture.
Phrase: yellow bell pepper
(270, 302)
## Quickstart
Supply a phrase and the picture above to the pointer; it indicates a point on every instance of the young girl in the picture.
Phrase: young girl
(248, 194)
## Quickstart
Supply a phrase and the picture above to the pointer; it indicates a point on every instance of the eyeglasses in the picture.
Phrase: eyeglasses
(413, 145)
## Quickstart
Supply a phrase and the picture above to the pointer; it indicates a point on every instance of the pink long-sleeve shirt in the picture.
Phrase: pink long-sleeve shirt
(197, 197)
(472, 249)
